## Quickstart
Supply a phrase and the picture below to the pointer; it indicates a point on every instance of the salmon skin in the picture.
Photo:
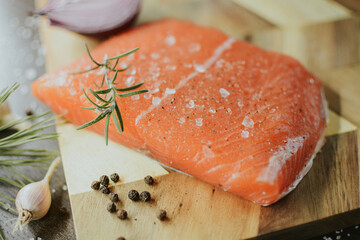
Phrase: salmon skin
(241, 118)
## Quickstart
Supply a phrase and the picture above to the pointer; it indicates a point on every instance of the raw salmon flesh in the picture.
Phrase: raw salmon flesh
(244, 119)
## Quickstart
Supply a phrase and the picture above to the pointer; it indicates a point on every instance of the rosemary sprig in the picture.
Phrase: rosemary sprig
(12, 156)
(108, 105)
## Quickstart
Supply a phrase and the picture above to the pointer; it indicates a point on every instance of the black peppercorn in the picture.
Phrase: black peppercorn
(145, 196)
(29, 112)
(114, 197)
(111, 207)
(149, 180)
(161, 214)
(95, 185)
(120, 238)
(114, 177)
(104, 180)
(134, 195)
(104, 189)
(122, 214)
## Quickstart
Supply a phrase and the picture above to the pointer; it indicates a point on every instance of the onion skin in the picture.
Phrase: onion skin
(92, 17)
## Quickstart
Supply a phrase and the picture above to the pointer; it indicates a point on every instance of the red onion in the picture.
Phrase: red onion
(93, 17)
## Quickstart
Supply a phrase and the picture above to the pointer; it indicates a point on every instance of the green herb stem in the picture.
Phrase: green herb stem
(108, 106)
(6, 206)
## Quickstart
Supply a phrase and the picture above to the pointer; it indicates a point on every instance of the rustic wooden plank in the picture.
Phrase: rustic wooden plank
(343, 95)
(99, 159)
(321, 34)
(330, 189)
(222, 14)
(195, 210)
(295, 13)
(353, 5)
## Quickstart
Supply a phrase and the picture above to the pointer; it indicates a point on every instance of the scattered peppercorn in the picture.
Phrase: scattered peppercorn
(95, 185)
(114, 197)
(104, 180)
(133, 195)
(120, 238)
(149, 180)
(29, 112)
(145, 196)
(122, 214)
(114, 177)
(104, 189)
(161, 214)
(111, 207)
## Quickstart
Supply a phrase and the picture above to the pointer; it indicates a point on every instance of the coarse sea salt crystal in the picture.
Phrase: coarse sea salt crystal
(156, 101)
(244, 134)
(191, 104)
(181, 120)
(199, 68)
(166, 60)
(170, 40)
(131, 71)
(171, 68)
(155, 56)
(147, 95)
(135, 97)
(224, 93)
(248, 122)
(129, 81)
(212, 110)
(169, 91)
(199, 122)
(194, 47)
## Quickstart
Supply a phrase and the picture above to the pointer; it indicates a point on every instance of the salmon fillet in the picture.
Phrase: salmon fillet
(241, 118)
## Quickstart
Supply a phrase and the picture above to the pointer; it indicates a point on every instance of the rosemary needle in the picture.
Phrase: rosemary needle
(107, 97)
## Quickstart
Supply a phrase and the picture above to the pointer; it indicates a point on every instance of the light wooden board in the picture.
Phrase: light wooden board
(319, 33)
(322, 199)
(343, 95)
(213, 213)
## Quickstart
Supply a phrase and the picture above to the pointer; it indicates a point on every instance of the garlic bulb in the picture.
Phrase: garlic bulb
(33, 200)
(92, 17)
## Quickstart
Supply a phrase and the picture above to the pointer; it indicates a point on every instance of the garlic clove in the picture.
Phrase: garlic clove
(91, 16)
(33, 200)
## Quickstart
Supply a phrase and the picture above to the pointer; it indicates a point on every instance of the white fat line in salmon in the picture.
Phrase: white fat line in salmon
(208, 63)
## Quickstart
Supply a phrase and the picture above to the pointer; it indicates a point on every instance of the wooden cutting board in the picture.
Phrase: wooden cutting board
(326, 199)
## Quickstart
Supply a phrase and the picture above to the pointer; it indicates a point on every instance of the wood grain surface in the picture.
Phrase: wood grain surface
(316, 206)
(321, 34)
(343, 95)
(197, 210)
